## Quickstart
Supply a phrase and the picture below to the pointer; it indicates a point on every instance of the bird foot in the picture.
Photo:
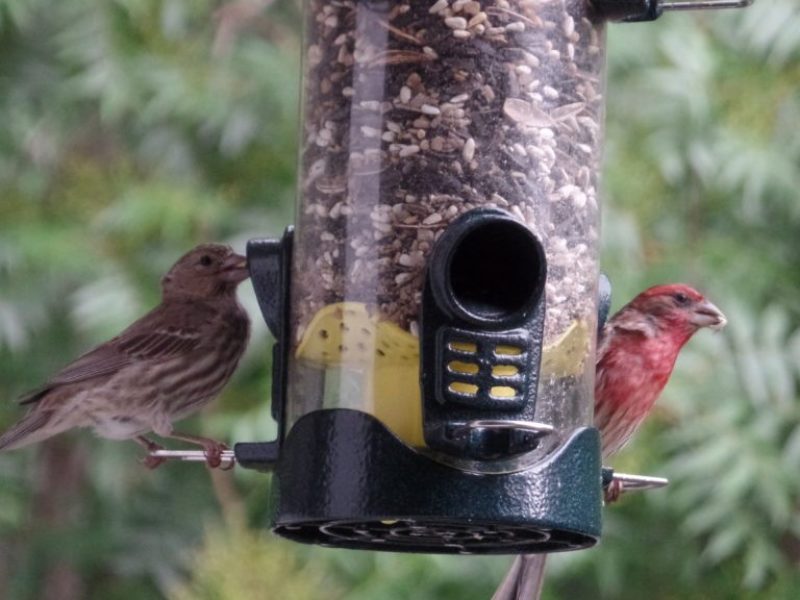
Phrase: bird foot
(213, 450)
(150, 461)
(613, 492)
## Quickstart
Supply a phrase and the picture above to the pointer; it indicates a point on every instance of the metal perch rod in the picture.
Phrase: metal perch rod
(227, 456)
(639, 483)
(702, 4)
(630, 483)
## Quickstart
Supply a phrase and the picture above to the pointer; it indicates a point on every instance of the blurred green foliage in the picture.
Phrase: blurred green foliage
(133, 129)
(236, 563)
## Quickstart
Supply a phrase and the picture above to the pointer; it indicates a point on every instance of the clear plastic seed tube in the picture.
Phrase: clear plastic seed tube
(415, 112)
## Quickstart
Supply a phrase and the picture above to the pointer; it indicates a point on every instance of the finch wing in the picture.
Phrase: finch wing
(627, 322)
(134, 345)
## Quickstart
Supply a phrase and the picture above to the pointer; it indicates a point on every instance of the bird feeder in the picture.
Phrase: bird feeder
(436, 307)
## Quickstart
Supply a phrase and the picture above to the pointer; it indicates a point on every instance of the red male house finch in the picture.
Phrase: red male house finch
(164, 367)
(636, 352)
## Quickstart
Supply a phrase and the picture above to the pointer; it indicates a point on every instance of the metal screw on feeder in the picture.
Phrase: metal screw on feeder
(436, 310)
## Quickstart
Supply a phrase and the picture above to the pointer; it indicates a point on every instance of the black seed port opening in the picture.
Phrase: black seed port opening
(497, 271)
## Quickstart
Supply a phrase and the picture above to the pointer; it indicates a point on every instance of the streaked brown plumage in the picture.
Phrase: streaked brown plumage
(162, 368)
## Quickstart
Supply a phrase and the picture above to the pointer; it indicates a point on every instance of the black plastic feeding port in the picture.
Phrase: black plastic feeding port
(477, 274)
(481, 336)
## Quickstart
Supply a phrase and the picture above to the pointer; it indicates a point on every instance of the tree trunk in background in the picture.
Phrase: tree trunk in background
(4, 552)
(57, 505)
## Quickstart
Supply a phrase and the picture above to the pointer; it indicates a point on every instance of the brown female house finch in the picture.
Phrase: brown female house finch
(164, 367)
(636, 352)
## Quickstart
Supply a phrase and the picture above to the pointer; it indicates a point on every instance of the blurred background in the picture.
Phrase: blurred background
(132, 129)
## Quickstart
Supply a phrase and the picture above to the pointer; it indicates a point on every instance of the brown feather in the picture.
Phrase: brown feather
(136, 343)
(27, 426)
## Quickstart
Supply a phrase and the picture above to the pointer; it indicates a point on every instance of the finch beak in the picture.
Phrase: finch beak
(705, 314)
(235, 268)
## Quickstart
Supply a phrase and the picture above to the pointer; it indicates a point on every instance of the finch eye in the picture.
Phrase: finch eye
(681, 298)
(205, 260)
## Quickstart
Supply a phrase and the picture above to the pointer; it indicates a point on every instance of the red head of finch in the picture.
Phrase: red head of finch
(162, 368)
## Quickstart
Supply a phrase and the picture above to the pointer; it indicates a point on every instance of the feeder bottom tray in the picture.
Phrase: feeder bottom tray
(343, 479)
(428, 536)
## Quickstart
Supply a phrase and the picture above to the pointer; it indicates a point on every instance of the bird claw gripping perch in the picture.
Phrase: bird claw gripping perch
(615, 484)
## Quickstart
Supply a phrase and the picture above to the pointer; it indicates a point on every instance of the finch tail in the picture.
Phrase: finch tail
(524, 579)
(30, 429)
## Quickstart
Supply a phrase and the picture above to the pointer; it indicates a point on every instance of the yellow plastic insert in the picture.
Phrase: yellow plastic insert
(505, 350)
(459, 387)
(348, 336)
(464, 347)
(502, 391)
(457, 366)
(565, 356)
(504, 370)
